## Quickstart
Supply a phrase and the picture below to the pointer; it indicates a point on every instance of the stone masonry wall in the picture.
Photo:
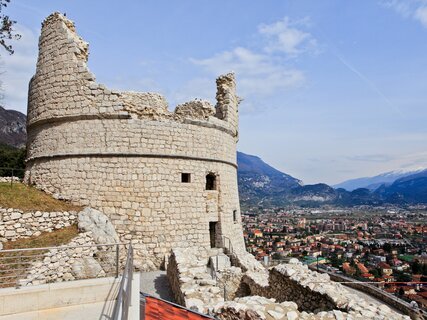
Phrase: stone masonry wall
(124, 152)
(90, 254)
(287, 291)
(16, 224)
(315, 293)
(190, 281)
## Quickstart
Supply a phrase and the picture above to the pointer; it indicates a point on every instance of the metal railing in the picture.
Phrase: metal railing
(274, 262)
(230, 245)
(214, 275)
(124, 296)
(20, 267)
(214, 269)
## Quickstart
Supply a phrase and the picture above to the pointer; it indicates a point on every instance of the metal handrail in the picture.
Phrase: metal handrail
(17, 264)
(230, 245)
(63, 247)
(123, 301)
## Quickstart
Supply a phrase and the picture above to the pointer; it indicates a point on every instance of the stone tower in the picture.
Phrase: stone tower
(165, 179)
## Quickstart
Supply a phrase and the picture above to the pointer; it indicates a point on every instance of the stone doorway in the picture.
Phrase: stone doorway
(212, 233)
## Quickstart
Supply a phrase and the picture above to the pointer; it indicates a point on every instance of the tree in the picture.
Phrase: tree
(11, 157)
(375, 273)
(7, 31)
(387, 247)
(416, 267)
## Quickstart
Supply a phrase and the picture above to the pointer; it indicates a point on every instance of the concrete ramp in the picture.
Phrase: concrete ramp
(74, 300)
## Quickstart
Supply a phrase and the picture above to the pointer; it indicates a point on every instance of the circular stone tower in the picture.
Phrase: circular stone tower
(165, 179)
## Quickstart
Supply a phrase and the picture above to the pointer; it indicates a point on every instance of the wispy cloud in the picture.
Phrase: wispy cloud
(266, 69)
(421, 15)
(372, 158)
(285, 36)
(415, 9)
(257, 73)
(17, 69)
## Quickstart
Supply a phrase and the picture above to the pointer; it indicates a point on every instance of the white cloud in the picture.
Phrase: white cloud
(401, 7)
(17, 70)
(265, 70)
(258, 74)
(284, 36)
(421, 15)
(415, 9)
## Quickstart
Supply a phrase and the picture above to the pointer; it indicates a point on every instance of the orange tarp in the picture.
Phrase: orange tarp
(156, 309)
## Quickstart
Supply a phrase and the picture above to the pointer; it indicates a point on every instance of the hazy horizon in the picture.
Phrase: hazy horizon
(331, 91)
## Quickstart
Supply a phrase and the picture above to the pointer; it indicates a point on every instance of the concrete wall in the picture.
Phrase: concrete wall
(75, 300)
(124, 152)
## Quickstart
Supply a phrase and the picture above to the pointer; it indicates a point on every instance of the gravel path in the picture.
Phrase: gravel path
(156, 283)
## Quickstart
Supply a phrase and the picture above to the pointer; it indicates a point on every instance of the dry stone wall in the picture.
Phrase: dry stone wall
(63, 264)
(190, 281)
(124, 152)
(287, 291)
(86, 256)
(16, 224)
(315, 294)
(9, 179)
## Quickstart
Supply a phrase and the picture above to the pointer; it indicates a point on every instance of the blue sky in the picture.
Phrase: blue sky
(332, 89)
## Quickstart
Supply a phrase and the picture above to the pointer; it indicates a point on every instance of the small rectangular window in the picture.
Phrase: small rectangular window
(185, 177)
(235, 215)
(210, 181)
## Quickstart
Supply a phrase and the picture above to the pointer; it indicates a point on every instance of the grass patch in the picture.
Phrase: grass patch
(26, 198)
(14, 265)
(46, 239)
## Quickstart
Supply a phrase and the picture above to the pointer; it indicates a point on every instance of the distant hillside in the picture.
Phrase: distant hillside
(409, 189)
(258, 180)
(13, 131)
(374, 182)
(262, 185)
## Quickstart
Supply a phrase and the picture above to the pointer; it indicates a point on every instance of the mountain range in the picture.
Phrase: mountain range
(13, 128)
(262, 185)
(373, 183)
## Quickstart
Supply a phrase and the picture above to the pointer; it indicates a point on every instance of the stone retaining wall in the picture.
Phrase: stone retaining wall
(9, 179)
(66, 264)
(16, 224)
(287, 291)
(381, 295)
(315, 293)
(283, 288)
(83, 257)
(191, 284)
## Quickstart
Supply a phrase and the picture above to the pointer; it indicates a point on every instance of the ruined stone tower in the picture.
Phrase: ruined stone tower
(165, 179)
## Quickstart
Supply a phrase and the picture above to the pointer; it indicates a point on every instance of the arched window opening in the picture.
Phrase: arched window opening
(211, 181)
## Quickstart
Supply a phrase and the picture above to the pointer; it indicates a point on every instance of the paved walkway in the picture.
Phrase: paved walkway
(156, 283)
